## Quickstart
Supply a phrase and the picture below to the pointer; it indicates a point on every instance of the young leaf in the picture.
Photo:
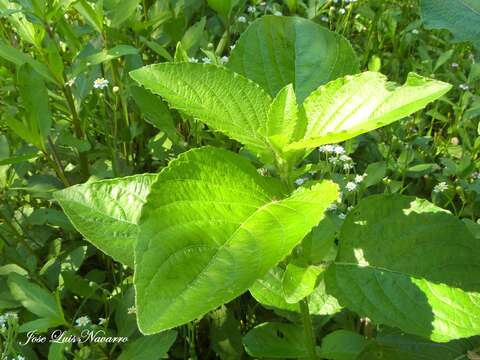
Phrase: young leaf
(152, 347)
(276, 51)
(408, 264)
(461, 17)
(299, 281)
(276, 340)
(353, 105)
(226, 226)
(222, 99)
(106, 212)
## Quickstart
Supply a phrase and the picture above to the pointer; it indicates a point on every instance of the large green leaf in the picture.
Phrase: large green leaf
(342, 345)
(461, 17)
(353, 105)
(210, 227)
(106, 212)
(276, 51)
(408, 264)
(152, 347)
(226, 101)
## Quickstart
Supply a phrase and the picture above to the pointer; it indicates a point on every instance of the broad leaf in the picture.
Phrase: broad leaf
(276, 51)
(106, 212)
(276, 340)
(353, 105)
(461, 17)
(222, 99)
(223, 7)
(408, 264)
(299, 281)
(210, 227)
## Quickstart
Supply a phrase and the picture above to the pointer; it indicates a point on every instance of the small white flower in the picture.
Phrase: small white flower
(131, 310)
(277, 13)
(70, 82)
(339, 150)
(206, 60)
(100, 83)
(351, 186)
(262, 171)
(223, 59)
(464, 87)
(350, 208)
(332, 207)
(20, 357)
(342, 11)
(210, 45)
(333, 160)
(342, 216)
(347, 166)
(455, 65)
(66, 16)
(359, 178)
(324, 18)
(101, 321)
(242, 19)
(440, 187)
(326, 148)
(3, 320)
(115, 89)
(476, 175)
(415, 32)
(82, 321)
(232, 46)
(299, 181)
(11, 315)
(345, 158)
(192, 60)
(251, 9)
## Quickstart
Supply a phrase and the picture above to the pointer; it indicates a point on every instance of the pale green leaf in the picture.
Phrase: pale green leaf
(409, 264)
(461, 17)
(210, 227)
(353, 105)
(276, 340)
(106, 212)
(299, 281)
(121, 10)
(223, 100)
(222, 7)
(276, 51)
(93, 16)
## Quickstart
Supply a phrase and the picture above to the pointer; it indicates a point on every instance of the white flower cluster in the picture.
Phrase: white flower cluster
(475, 175)
(10, 315)
(131, 310)
(100, 83)
(82, 321)
(440, 187)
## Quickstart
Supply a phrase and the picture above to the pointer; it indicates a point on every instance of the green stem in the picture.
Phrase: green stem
(77, 127)
(308, 330)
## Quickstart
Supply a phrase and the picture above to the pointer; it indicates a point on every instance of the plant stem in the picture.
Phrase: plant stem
(57, 165)
(77, 127)
(308, 330)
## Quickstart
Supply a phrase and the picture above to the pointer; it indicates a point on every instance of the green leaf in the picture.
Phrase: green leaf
(342, 345)
(121, 11)
(353, 105)
(19, 58)
(93, 16)
(210, 227)
(155, 111)
(225, 335)
(396, 345)
(152, 347)
(276, 340)
(276, 51)
(220, 98)
(299, 281)
(407, 263)
(223, 7)
(461, 17)
(37, 300)
(106, 212)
